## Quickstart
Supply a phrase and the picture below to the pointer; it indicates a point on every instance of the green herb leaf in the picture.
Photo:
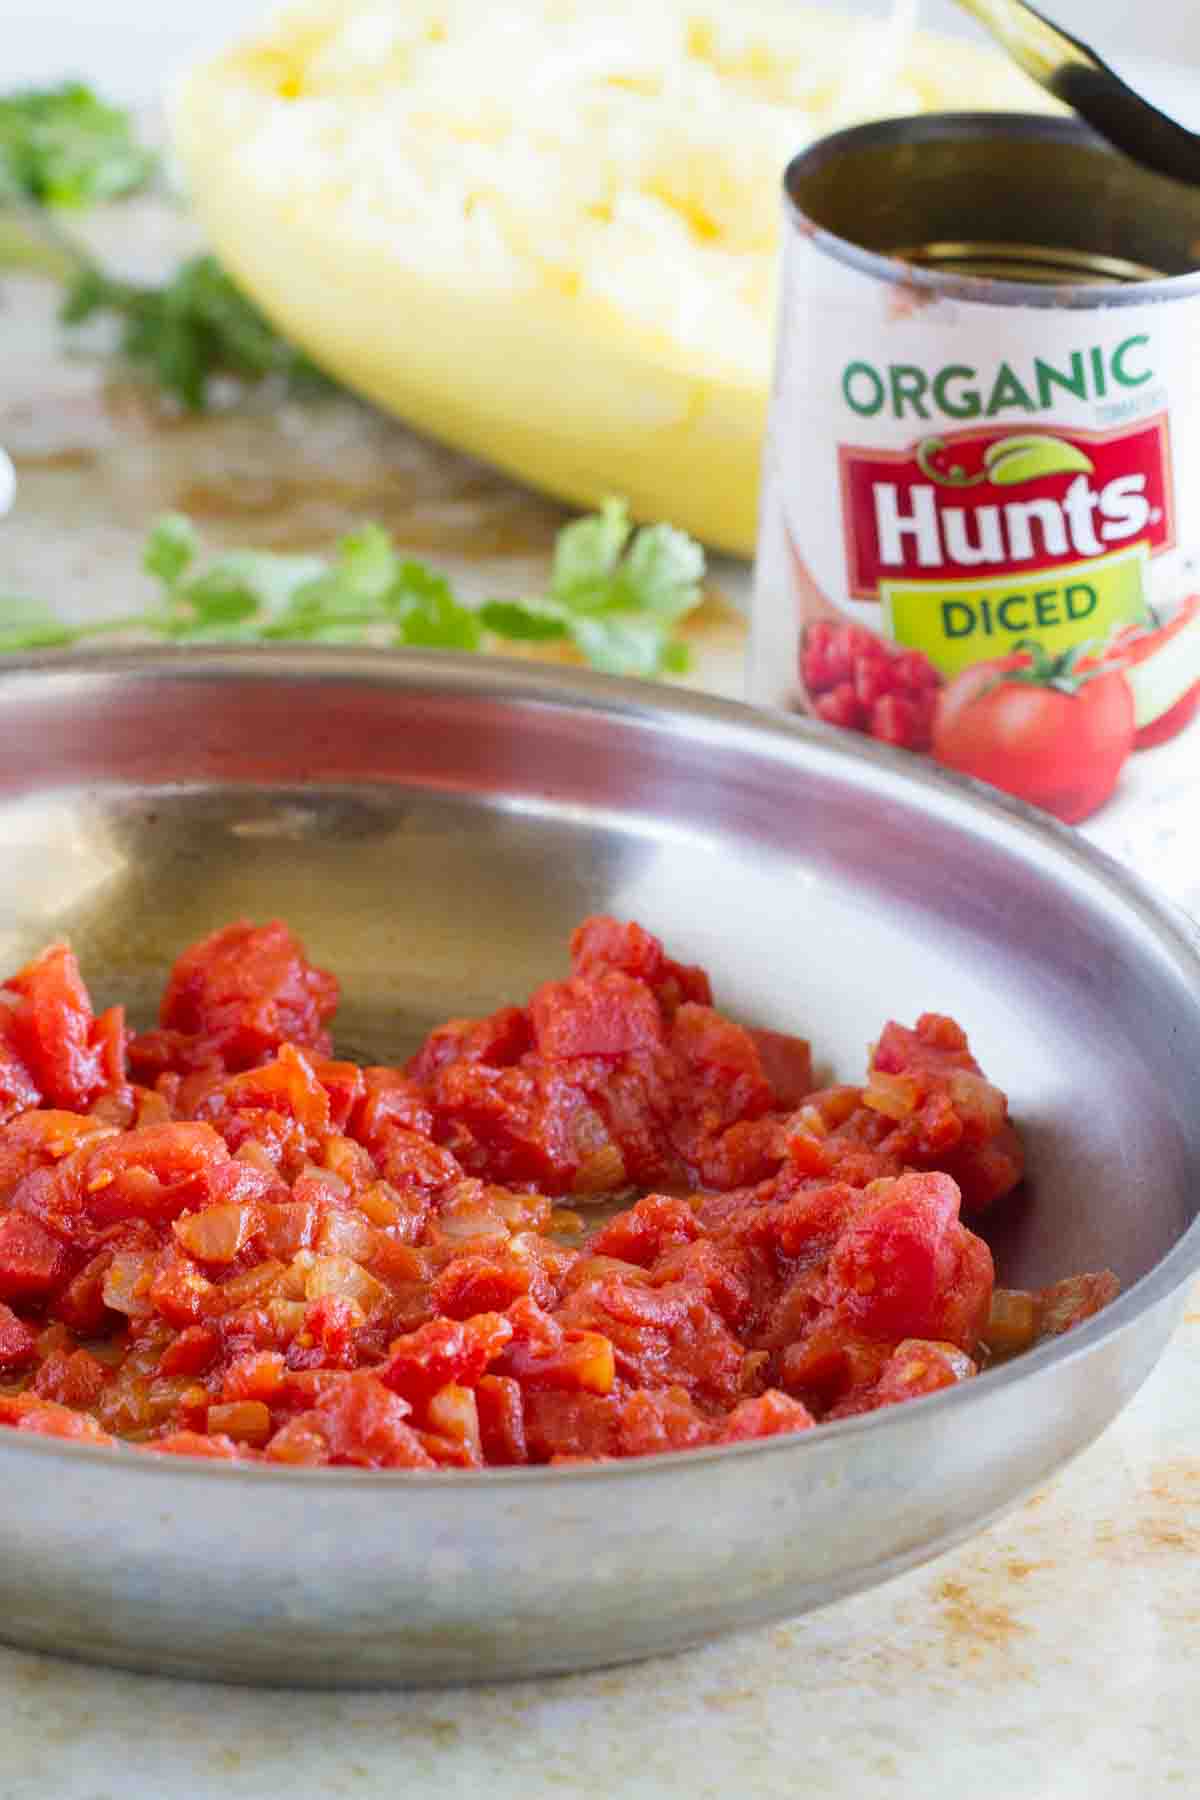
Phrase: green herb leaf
(619, 594)
(171, 546)
(27, 625)
(275, 578)
(217, 598)
(586, 556)
(367, 561)
(198, 326)
(429, 617)
(676, 658)
(663, 571)
(631, 594)
(62, 146)
(532, 621)
(622, 643)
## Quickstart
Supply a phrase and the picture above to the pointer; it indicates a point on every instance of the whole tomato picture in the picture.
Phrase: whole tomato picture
(1042, 728)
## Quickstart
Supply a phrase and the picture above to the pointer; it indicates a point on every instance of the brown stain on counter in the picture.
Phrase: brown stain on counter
(973, 1622)
(1163, 1520)
(1018, 1569)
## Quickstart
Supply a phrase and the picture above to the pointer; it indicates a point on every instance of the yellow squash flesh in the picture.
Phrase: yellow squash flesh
(590, 304)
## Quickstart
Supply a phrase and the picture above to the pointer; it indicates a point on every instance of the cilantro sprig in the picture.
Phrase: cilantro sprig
(63, 148)
(193, 328)
(616, 593)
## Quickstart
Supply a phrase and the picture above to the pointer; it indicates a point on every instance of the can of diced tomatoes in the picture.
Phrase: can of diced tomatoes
(980, 520)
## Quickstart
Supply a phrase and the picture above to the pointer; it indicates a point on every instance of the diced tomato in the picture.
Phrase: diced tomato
(33, 1264)
(74, 1379)
(154, 1172)
(522, 1124)
(18, 1089)
(644, 1231)
(272, 1256)
(722, 1057)
(905, 1267)
(192, 1353)
(410, 1161)
(28, 1412)
(446, 1350)
(655, 1422)
(259, 1375)
(477, 1284)
(289, 1084)
(18, 1343)
(830, 1361)
(602, 1015)
(786, 1063)
(216, 1448)
(575, 1424)
(345, 1088)
(39, 1140)
(501, 1413)
(661, 1337)
(945, 1114)
(53, 1029)
(81, 1303)
(247, 990)
(1068, 1303)
(178, 1291)
(583, 1360)
(499, 1040)
(913, 1369)
(300, 1443)
(331, 1322)
(769, 1415)
(602, 944)
(389, 1099)
(110, 1038)
(365, 1423)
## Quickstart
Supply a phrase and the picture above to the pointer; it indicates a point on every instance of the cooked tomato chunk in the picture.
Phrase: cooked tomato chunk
(905, 1267)
(236, 997)
(251, 1251)
(53, 1030)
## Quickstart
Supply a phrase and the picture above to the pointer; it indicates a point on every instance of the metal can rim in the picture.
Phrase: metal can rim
(979, 289)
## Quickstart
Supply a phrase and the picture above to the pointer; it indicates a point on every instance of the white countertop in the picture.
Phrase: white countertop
(1051, 1658)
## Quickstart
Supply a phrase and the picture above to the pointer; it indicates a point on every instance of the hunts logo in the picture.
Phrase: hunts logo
(992, 502)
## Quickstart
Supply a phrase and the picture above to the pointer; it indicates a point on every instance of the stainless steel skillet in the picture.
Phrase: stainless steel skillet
(433, 826)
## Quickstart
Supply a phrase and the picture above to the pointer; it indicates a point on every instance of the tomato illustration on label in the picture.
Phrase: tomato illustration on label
(1048, 729)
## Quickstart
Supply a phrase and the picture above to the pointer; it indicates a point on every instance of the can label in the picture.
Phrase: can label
(953, 485)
